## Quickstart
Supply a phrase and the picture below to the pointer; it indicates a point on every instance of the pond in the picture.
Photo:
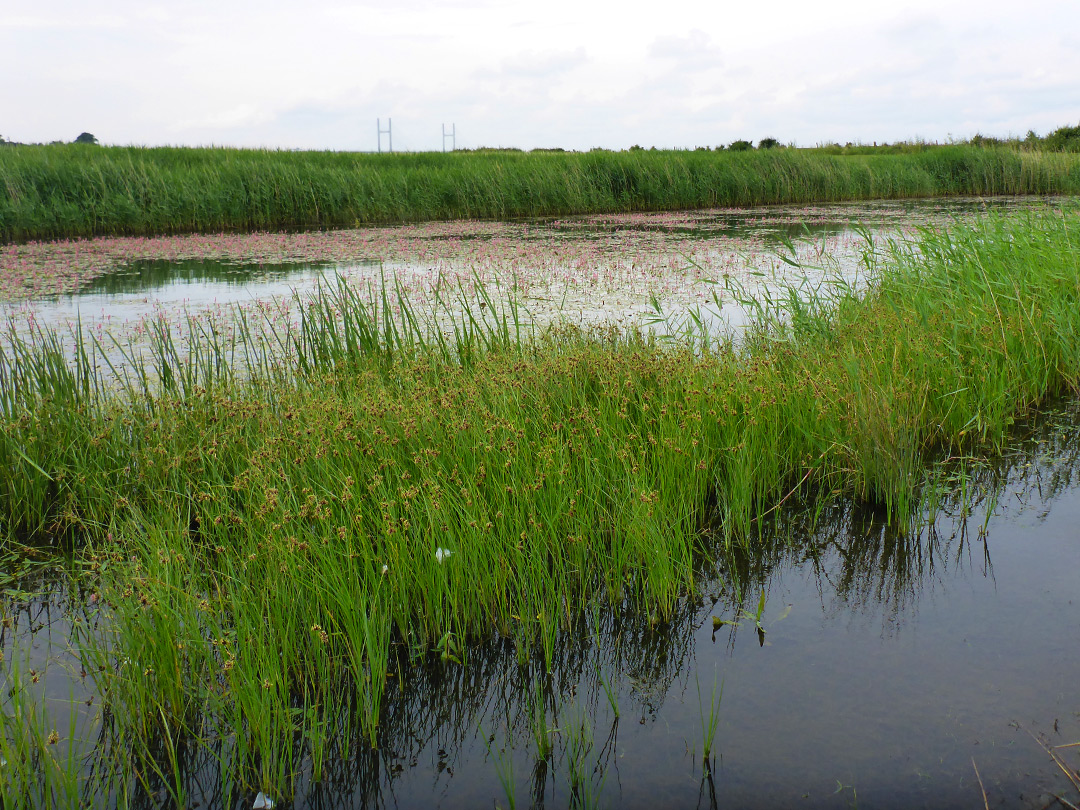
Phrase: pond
(586, 270)
(842, 662)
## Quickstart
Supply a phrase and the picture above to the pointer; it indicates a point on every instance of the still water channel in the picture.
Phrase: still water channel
(890, 665)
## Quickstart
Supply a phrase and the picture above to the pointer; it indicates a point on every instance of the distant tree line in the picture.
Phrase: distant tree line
(734, 146)
(1062, 139)
(84, 137)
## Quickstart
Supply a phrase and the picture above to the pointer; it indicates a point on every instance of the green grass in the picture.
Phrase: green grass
(64, 191)
(267, 537)
(709, 721)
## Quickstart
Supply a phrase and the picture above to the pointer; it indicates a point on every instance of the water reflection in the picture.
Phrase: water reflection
(151, 276)
(891, 659)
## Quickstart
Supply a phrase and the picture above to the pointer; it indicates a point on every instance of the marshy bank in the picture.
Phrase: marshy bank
(281, 573)
(69, 191)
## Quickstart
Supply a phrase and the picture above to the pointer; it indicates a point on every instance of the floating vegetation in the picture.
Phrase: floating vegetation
(607, 254)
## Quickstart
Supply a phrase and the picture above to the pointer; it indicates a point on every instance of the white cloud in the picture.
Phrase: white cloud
(574, 74)
(695, 45)
(39, 22)
(537, 64)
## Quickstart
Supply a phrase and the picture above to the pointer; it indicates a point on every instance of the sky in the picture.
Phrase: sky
(575, 74)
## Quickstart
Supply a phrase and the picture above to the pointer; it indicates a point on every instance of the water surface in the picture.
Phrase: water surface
(584, 269)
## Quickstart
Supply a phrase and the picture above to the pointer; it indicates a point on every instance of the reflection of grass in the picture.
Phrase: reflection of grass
(39, 763)
(503, 758)
(609, 692)
(585, 787)
(541, 732)
(261, 539)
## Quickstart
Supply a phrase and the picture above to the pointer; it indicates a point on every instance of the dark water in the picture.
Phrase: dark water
(889, 663)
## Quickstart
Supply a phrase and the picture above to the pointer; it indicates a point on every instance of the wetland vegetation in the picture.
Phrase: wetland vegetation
(79, 190)
(275, 532)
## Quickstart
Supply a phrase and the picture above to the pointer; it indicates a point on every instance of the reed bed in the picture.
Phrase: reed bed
(277, 531)
(65, 191)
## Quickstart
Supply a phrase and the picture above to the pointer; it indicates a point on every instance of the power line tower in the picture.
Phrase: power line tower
(389, 135)
(452, 135)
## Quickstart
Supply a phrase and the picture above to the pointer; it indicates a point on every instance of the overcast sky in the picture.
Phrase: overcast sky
(316, 74)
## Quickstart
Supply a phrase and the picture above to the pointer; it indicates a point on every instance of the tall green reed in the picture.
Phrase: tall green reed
(65, 191)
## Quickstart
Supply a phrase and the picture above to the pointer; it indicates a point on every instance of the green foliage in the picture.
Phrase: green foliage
(984, 140)
(71, 191)
(740, 146)
(1064, 139)
(709, 722)
(86, 137)
(768, 143)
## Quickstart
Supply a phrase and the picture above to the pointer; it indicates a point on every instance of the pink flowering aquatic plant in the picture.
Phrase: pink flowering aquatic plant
(583, 251)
